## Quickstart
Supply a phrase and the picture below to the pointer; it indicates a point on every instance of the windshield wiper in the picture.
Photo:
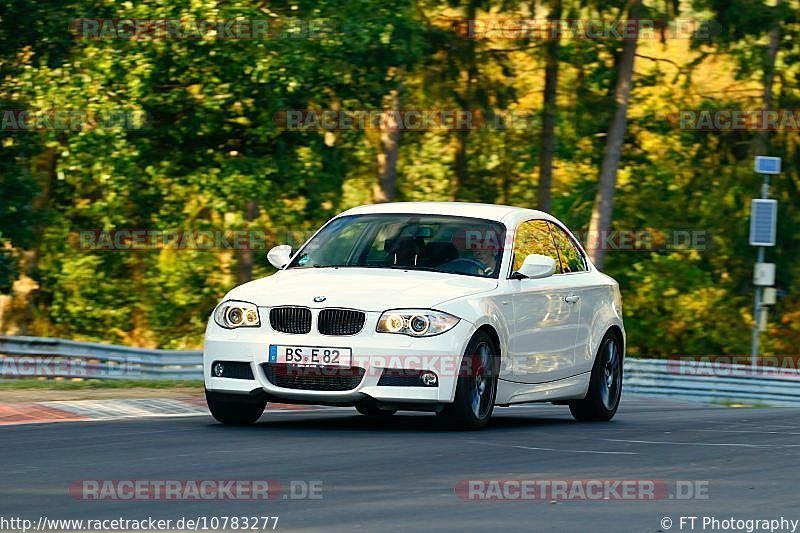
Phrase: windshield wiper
(413, 267)
(393, 267)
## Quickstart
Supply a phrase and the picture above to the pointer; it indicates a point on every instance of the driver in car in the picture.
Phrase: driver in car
(487, 255)
(484, 249)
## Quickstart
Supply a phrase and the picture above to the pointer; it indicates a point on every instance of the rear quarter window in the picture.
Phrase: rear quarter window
(572, 259)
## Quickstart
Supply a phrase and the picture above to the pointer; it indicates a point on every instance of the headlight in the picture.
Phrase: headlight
(233, 314)
(416, 322)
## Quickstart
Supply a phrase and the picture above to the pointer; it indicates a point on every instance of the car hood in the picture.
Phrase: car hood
(367, 289)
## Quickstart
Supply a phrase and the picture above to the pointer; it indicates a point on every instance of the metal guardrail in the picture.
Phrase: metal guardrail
(51, 357)
(673, 378)
(713, 382)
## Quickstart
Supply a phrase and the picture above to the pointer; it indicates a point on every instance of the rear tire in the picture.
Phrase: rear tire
(233, 409)
(477, 385)
(605, 384)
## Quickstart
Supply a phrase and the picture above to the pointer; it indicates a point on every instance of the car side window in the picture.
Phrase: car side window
(533, 237)
(571, 258)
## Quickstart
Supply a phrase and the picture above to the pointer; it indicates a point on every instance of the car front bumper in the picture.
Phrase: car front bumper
(373, 351)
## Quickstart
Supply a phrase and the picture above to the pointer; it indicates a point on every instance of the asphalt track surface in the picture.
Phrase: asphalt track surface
(401, 474)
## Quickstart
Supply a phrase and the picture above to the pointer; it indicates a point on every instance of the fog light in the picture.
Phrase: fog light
(219, 369)
(429, 379)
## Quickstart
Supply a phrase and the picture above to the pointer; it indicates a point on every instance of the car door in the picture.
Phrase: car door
(542, 342)
(574, 268)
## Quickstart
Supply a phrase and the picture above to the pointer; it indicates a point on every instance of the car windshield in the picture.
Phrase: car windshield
(439, 243)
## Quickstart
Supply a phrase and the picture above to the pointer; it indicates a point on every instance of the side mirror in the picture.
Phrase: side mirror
(536, 266)
(279, 255)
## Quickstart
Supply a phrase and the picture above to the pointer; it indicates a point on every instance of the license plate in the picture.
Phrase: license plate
(310, 355)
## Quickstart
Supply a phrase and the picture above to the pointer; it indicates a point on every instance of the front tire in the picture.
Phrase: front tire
(605, 384)
(232, 409)
(477, 385)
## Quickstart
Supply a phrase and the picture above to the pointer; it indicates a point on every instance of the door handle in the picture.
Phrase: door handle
(572, 298)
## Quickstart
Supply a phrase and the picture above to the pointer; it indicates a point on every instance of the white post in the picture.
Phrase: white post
(757, 299)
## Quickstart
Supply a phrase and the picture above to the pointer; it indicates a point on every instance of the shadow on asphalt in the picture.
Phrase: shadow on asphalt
(397, 423)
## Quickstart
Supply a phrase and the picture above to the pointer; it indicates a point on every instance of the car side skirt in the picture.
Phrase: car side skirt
(571, 388)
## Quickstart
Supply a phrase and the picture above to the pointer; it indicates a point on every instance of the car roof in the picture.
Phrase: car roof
(465, 209)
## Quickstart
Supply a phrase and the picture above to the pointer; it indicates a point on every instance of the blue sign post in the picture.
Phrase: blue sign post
(763, 224)
(768, 165)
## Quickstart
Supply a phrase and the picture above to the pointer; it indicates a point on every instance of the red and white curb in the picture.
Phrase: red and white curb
(14, 413)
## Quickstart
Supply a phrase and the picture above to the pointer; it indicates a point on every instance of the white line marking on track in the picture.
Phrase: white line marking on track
(575, 451)
(536, 448)
(748, 431)
(731, 444)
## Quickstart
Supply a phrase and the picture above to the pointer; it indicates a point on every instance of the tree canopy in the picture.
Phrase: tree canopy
(196, 124)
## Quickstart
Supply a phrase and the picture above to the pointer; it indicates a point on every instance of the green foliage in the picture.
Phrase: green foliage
(676, 286)
(205, 150)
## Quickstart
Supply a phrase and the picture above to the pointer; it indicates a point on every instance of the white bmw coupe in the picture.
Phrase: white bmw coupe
(452, 308)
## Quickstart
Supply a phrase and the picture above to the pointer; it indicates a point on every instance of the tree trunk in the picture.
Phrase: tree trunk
(391, 131)
(244, 257)
(759, 145)
(604, 200)
(468, 73)
(547, 144)
(459, 164)
(22, 308)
